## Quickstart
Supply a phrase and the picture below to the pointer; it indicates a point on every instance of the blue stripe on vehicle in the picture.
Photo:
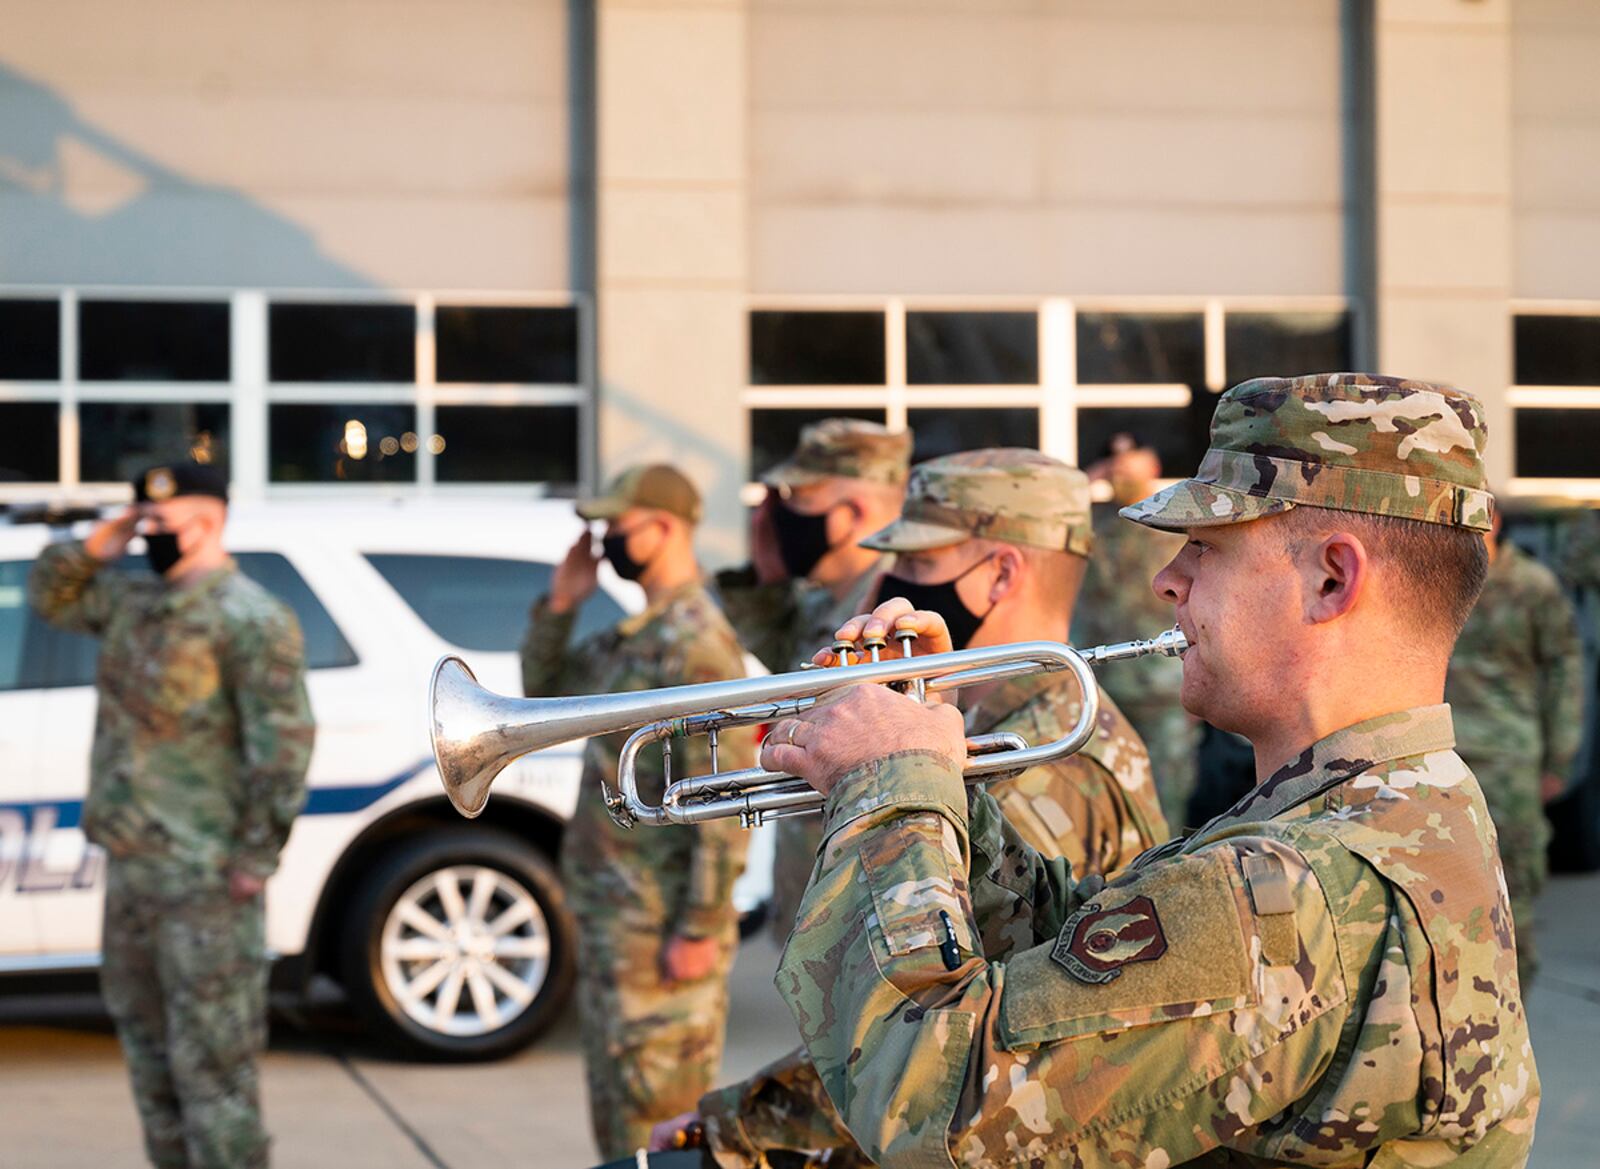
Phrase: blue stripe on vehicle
(321, 801)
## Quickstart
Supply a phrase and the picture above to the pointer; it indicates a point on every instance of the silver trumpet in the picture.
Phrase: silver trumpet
(477, 733)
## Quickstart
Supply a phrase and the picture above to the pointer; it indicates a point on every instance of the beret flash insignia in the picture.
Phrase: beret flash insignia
(159, 484)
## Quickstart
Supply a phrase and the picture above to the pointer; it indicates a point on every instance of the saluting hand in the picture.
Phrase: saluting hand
(110, 538)
(576, 577)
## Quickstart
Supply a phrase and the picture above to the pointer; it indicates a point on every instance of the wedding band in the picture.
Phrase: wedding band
(789, 734)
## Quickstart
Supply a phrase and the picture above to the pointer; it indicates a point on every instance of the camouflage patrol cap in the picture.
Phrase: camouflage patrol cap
(845, 448)
(1008, 494)
(657, 485)
(1345, 441)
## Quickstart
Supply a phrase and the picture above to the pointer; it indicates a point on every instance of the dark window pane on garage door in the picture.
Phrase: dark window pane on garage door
(1177, 433)
(1558, 444)
(506, 343)
(507, 444)
(117, 440)
(153, 340)
(30, 339)
(944, 432)
(481, 602)
(326, 646)
(816, 348)
(1557, 351)
(355, 442)
(1286, 344)
(954, 348)
(28, 450)
(775, 433)
(342, 342)
(1141, 348)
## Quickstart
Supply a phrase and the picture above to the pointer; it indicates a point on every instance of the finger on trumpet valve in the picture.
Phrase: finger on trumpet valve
(874, 647)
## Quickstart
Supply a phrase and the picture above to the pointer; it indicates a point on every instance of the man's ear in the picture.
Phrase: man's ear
(851, 513)
(1338, 573)
(1010, 569)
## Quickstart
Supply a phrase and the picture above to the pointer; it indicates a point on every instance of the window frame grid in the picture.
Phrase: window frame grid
(251, 394)
(1520, 396)
(1058, 395)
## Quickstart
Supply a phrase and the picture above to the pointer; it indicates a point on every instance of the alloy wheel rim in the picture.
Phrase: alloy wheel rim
(465, 950)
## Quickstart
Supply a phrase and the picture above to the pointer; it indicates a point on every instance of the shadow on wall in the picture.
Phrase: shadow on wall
(712, 467)
(80, 207)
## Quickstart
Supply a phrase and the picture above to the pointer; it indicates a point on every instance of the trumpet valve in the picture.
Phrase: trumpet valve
(842, 650)
(874, 647)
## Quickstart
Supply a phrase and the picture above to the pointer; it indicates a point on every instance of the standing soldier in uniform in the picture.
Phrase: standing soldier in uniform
(995, 542)
(656, 925)
(1516, 689)
(1117, 598)
(201, 744)
(1325, 974)
(845, 479)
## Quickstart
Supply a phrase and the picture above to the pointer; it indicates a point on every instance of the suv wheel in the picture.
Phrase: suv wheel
(459, 945)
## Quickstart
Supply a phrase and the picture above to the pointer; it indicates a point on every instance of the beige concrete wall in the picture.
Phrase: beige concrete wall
(1555, 104)
(1444, 200)
(672, 328)
(1072, 146)
(414, 143)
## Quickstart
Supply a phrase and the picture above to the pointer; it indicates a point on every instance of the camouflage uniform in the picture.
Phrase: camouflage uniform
(1326, 974)
(1117, 603)
(202, 739)
(784, 622)
(1097, 809)
(1516, 686)
(650, 1047)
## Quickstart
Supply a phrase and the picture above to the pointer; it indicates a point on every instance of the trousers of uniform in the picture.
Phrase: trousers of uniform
(185, 979)
(1511, 789)
(651, 1048)
(1173, 740)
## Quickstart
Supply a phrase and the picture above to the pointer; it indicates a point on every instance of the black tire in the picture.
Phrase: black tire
(409, 861)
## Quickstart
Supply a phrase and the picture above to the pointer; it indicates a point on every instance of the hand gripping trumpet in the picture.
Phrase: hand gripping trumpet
(476, 732)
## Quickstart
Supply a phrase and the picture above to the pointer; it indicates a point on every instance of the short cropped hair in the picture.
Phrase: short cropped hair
(1441, 567)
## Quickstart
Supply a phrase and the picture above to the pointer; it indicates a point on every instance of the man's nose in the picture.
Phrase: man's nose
(1170, 584)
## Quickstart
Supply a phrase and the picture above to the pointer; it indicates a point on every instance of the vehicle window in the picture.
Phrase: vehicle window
(33, 656)
(481, 602)
(326, 646)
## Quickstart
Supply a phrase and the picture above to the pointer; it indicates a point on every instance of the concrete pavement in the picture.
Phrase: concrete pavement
(332, 1100)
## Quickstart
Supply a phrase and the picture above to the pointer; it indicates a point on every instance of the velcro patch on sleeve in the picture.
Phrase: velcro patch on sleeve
(1273, 899)
(1161, 943)
(915, 870)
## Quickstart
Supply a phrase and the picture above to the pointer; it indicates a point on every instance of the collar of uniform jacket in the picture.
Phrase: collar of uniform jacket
(628, 626)
(1346, 753)
(177, 597)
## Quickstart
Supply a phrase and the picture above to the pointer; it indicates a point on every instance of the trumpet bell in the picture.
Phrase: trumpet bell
(453, 700)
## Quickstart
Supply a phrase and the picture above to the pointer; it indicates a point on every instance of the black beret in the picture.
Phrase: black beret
(170, 480)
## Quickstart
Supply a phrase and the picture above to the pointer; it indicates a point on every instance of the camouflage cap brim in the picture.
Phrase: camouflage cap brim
(604, 507)
(1192, 504)
(915, 536)
(791, 474)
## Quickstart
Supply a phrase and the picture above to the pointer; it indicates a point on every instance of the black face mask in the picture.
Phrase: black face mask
(942, 599)
(162, 551)
(616, 548)
(802, 539)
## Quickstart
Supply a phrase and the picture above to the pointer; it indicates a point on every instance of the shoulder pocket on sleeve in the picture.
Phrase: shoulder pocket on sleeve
(1169, 944)
(912, 882)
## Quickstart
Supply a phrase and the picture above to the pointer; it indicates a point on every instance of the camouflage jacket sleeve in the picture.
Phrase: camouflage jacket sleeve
(67, 589)
(765, 616)
(1560, 679)
(547, 664)
(267, 674)
(783, 1106)
(1148, 1032)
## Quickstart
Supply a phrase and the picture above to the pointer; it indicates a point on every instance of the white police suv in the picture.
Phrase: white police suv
(382, 885)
